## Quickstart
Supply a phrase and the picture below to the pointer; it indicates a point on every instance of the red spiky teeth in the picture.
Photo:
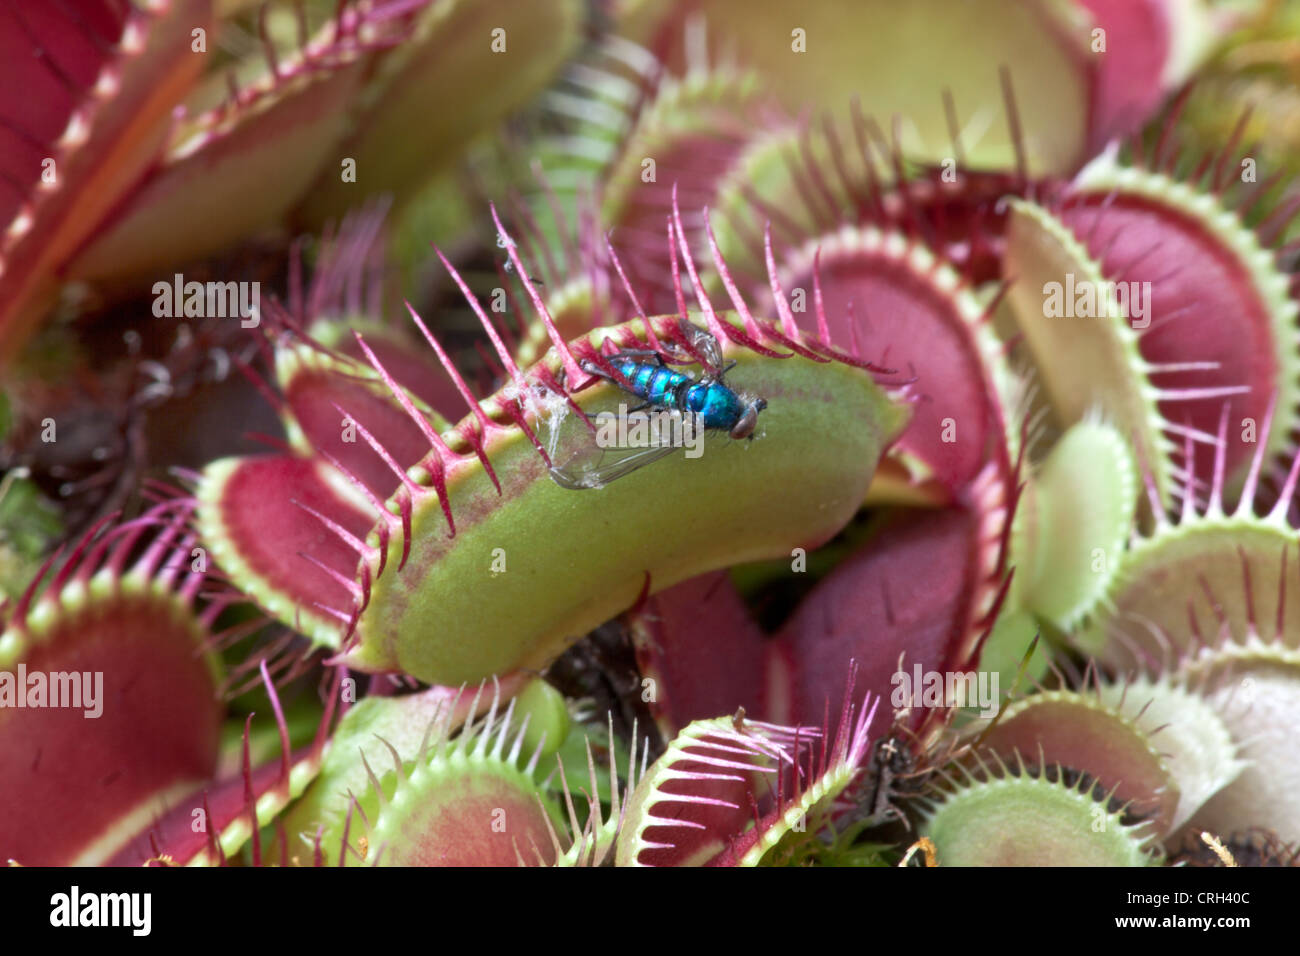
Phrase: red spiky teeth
(325, 401)
(410, 367)
(77, 787)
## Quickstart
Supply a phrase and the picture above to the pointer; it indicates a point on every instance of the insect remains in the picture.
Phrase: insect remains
(676, 410)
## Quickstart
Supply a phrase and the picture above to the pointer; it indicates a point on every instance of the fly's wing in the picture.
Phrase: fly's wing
(704, 343)
(582, 459)
(707, 345)
(610, 465)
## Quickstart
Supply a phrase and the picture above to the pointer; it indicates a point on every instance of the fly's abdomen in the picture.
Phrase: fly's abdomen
(655, 383)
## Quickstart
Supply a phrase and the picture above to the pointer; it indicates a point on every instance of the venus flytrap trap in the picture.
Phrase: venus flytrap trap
(899, 262)
(157, 789)
(447, 799)
(1252, 684)
(1199, 571)
(1195, 740)
(924, 318)
(494, 468)
(1162, 770)
(255, 146)
(1217, 319)
(313, 824)
(126, 177)
(221, 821)
(294, 120)
(816, 441)
(1246, 91)
(130, 616)
(1073, 524)
(818, 177)
(737, 792)
(1028, 814)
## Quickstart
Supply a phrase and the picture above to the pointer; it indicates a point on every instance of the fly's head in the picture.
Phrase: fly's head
(745, 425)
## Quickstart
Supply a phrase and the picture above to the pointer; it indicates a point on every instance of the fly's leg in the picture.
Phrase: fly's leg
(594, 369)
(719, 377)
(637, 354)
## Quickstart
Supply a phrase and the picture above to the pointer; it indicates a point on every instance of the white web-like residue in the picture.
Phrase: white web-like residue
(547, 407)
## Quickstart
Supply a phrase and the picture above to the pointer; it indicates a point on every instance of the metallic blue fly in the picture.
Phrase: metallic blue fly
(707, 401)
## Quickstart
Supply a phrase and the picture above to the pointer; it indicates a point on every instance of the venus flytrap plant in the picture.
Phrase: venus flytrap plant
(1247, 91)
(255, 145)
(895, 503)
(333, 407)
(222, 820)
(1252, 682)
(924, 318)
(902, 262)
(808, 179)
(824, 449)
(1073, 523)
(1193, 736)
(145, 782)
